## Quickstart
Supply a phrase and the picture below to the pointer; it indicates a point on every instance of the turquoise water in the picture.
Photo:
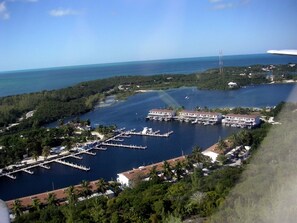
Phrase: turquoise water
(132, 112)
(25, 81)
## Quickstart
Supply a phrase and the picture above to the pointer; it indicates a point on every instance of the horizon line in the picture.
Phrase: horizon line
(113, 63)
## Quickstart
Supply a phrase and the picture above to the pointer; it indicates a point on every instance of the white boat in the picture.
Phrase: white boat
(195, 121)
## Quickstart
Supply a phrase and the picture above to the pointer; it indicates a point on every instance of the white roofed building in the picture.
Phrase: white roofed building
(200, 116)
(142, 173)
(161, 114)
(242, 121)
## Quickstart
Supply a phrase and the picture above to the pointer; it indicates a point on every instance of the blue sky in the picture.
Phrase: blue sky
(50, 33)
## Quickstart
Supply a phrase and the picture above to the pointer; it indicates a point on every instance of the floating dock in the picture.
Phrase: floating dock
(9, 176)
(80, 167)
(76, 157)
(96, 145)
(44, 166)
(124, 146)
(101, 148)
(88, 152)
(153, 134)
(28, 171)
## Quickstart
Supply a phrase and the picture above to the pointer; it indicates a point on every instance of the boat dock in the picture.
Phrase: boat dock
(9, 176)
(44, 166)
(153, 134)
(124, 146)
(28, 171)
(76, 157)
(101, 148)
(95, 145)
(87, 151)
(80, 167)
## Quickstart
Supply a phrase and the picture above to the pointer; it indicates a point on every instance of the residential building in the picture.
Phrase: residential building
(200, 117)
(142, 173)
(161, 114)
(242, 121)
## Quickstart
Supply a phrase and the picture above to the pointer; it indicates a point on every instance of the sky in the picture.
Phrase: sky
(52, 33)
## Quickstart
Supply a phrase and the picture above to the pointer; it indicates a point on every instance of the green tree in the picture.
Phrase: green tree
(46, 151)
(178, 170)
(222, 145)
(36, 204)
(102, 186)
(71, 195)
(167, 171)
(17, 207)
(221, 158)
(154, 174)
(51, 199)
(85, 188)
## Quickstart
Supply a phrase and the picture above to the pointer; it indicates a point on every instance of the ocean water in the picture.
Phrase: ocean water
(26, 81)
(131, 114)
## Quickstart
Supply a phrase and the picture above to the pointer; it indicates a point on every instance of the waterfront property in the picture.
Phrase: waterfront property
(60, 154)
(161, 114)
(59, 194)
(143, 172)
(206, 118)
(242, 121)
(199, 117)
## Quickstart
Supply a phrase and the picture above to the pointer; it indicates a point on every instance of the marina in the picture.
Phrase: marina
(123, 145)
(86, 149)
(185, 136)
(80, 167)
(204, 118)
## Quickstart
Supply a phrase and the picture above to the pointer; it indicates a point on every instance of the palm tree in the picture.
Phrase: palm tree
(222, 145)
(36, 204)
(51, 199)
(102, 186)
(71, 195)
(188, 164)
(86, 188)
(167, 170)
(154, 174)
(17, 207)
(178, 170)
(196, 156)
(46, 151)
(115, 187)
(35, 155)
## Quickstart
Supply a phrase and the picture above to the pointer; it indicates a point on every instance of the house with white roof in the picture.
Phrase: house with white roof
(143, 172)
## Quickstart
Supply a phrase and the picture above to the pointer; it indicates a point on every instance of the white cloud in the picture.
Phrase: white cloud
(4, 14)
(227, 4)
(63, 12)
(223, 6)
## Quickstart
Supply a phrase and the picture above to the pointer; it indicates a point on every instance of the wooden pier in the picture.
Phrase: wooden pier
(9, 176)
(80, 167)
(153, 134)
(76, 157)
(44, 166)
(95, 145)
(88, 152)
(118, 140)
(100, 148)
(124, 146)
(28, 171)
